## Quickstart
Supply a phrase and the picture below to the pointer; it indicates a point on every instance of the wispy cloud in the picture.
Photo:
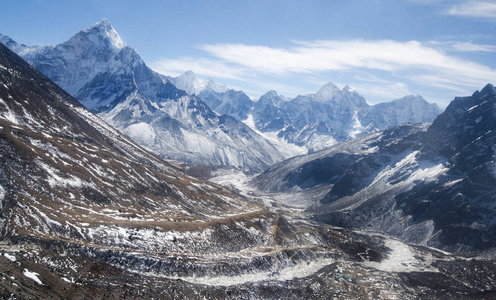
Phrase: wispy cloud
(427, 2)
(202, 66)
(385, 90)
(477, 9)
(429, 64)
(328, 55)
(381, 88)
(469, 47)
(412, 60)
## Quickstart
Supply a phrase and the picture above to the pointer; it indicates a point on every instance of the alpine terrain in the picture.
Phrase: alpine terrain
(309, 122)
(426, 184)
(109, 78)
(202, 122)
(88, 214)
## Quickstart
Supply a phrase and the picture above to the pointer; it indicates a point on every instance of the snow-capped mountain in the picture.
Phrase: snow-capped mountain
(87, 213)
(409, 109)
(110, 78)
(27, 52)
(314, 121)
(219, 98)
(431, 185)
(331, 115)
(321, 119)
(231, 102)
(189, 83)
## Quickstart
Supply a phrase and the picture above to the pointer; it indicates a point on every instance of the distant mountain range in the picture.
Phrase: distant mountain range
(431, 185)
(200, 122)
(310, 122)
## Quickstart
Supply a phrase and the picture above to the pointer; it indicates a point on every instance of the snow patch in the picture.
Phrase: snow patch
(428, 173)
(402, 259)
(233, 178)
(299, 270)
(32, 275)
(475, 106)
(10, 257)
(422, 170)
(9, 115)
(2, 194)
(55, 180)
(142, 133)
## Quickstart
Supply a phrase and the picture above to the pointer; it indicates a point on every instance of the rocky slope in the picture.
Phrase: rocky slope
(109, 78)
(67, 173)
(430, 185)
(86, 213)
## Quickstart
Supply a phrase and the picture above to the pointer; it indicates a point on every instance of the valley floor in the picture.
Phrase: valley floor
(274, 253)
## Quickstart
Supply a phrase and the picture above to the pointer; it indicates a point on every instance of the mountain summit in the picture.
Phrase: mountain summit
(329, 92)
(103, 34)
(189, 83)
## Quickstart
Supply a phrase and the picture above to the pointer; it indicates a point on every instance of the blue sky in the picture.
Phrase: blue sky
(384, 48)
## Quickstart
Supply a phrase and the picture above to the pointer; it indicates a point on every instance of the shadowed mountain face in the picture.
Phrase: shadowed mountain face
(110, 78)
(432, 185)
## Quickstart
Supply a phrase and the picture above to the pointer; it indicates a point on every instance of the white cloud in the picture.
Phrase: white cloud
(462, 46)
(384, 90)
(408, 60)
(477, 9)
(202, 66)
(469, 47)
(381, 88)
(401, 64)
(427, 2)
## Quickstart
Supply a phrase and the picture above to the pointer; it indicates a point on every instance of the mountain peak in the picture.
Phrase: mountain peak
(192, 85)
(188, 82)
(349, 89)
(412, 97)
(488, 89)
(103, 32)
(103, 24)
(209, 83)
(270, 93)
(327, 92)
(7, 41)
(27, 52)
(189, 75)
